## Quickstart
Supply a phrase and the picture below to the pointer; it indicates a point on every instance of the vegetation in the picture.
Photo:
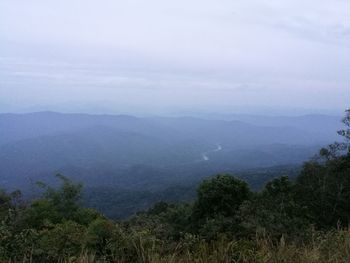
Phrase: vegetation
(304, 220)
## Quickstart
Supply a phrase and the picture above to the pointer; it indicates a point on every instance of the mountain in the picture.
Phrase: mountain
(150, 153)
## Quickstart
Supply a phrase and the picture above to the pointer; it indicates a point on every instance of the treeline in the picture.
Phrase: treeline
(304, 220)
(129, 201)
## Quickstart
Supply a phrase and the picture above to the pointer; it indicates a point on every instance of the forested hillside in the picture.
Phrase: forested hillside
(150, 159)
(101, 148)
(301, 220)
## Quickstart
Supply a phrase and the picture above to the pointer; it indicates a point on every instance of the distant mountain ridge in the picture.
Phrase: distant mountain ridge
(105, 149)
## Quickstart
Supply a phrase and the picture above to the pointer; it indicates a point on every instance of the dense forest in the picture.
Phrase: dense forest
(151, 153)
(128, 163)
(304, 219)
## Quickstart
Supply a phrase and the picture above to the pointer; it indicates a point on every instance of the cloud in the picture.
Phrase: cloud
(234, 52)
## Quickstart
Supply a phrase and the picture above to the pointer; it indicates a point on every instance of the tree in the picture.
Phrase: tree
(346, 132)
(324, 188)
(274, 211)
(56, 205)
(65, 199)
(98, 233)
(62, 241)
(324, 183)
(220, 196)
(337, 149)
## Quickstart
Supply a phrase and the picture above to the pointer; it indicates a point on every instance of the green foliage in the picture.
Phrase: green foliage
(220, 196)
(98, 233)
(5, 203)
(324, 188)
(346, 132)
(274, 211)
(65, 199)
(215, 209)
(58, 205)
(9, 201)
(63, 240)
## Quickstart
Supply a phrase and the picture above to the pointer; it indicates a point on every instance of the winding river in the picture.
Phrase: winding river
(205, 155)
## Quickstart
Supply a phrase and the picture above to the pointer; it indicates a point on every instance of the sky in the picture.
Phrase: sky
(158, 55)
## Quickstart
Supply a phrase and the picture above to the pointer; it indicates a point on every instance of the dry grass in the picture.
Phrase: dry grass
(322, 248)
(331, 247)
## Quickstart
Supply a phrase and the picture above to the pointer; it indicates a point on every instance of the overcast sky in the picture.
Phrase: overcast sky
(157, 54)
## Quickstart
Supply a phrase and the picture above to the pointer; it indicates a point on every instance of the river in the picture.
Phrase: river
(205, 155)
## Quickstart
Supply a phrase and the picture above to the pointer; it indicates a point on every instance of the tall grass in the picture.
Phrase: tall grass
(329, 247)
(333, 246)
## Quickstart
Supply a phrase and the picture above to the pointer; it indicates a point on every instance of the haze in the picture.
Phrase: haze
(162, 56)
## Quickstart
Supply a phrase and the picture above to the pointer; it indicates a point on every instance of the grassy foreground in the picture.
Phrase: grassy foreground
(331, 247)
